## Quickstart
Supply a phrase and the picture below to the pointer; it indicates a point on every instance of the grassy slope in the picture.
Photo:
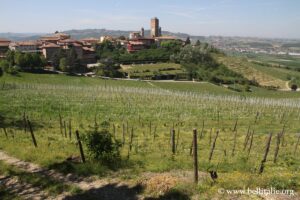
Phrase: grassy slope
(248, 70)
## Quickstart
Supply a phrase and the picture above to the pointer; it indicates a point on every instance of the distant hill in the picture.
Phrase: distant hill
(21, 36)
(84, 33)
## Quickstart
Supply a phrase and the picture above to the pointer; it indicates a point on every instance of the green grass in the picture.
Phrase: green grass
(138, 104)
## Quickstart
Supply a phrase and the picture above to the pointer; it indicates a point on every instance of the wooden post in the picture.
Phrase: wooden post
(24, 122)
(154, 133)
(234, 142)
(177, 139)
(256, 117)
(250, 146)
(173, 141)
(65, 128)
(247, 138)
(131, 138)
(32, 134)
(277, 148)
(213, 146)
(80, 146)
(61, 125)
(123, 134)
(70, 129)
(195, 150)
(4, 129)
(235, 125)
(262, 164)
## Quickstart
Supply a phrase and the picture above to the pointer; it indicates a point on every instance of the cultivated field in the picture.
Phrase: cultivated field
(141, 115)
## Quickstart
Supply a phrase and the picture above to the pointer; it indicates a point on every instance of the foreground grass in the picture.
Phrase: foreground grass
(50, 186)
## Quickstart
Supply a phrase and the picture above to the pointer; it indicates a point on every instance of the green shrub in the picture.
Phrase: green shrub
(102, 147)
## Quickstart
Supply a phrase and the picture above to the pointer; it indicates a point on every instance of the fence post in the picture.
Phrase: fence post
(70, 129)
(173, 141)
(195, 147)
(262, 165)
(80, 146)
(213, 146)
(32, 134)
(4, 129)
(24, 122)
(65, 128)
(60, 125)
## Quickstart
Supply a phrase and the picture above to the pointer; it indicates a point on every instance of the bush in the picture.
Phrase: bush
(102, 147)
(294, 87)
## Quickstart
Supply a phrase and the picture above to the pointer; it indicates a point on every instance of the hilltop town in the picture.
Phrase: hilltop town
(50, 45)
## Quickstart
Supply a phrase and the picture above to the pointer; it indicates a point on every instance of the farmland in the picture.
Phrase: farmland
(146, 112)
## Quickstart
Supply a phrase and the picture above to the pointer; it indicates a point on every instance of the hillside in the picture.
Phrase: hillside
(140, 115)
(252, 72)
(84, 33)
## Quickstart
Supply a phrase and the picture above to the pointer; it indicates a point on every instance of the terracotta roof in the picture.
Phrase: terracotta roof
(62, 34)
(76, 44)
(166, 37)
(67, 41)
(50, 45)
(49, 38)
(25, 43)
(90, 39)
(4, 40)
(88, 49)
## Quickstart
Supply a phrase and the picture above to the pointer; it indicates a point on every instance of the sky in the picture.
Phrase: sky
(255, 18)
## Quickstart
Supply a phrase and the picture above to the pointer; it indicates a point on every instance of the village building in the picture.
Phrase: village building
(138, 44)
(55, 38)
(89, 41)
(4, 46)
(49, 50)
(26, 46)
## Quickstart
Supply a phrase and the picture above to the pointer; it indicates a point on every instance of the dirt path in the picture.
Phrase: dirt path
(107, 189)
(23, 190)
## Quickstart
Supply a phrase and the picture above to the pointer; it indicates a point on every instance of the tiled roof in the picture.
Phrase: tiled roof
(50, 45)
(25, 43)
(4, 40)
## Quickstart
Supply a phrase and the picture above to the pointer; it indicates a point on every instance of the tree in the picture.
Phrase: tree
(63, 65)
(4, 65)
(55, 59)
(102, 147)
(294, 87)
(171, 45)
(198, 43)
(187, 41)
(122, 37)
(1, 71)
(10, 57)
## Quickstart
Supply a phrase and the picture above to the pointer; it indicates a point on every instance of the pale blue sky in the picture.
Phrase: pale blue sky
(262, 18)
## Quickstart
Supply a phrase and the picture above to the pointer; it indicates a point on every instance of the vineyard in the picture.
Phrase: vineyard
(249, 141)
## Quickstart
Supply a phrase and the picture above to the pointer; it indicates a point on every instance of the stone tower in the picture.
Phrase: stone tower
(142, 32)
(154, 27)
